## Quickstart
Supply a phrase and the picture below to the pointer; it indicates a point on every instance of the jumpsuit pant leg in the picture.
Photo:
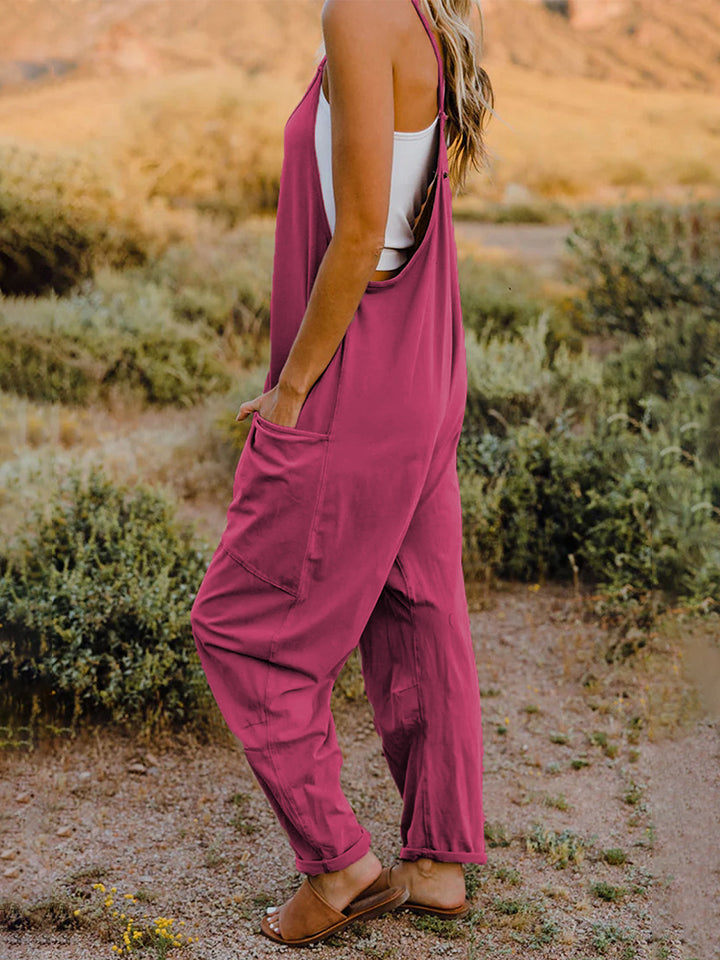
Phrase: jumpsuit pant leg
(271, 660)
(421, 678)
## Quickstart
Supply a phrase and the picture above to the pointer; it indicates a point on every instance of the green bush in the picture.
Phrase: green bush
(610, 466)
(498, 300)
(560, 495)
(631, 505)
(226, 285)
(638, 260)
(513, 380)
(96, 343)
(483, 542)
(680, 339)
(95, 600)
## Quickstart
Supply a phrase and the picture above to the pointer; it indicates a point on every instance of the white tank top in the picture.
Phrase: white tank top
(413, 164)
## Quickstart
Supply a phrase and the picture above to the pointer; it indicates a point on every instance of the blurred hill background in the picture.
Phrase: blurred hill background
(641, 115)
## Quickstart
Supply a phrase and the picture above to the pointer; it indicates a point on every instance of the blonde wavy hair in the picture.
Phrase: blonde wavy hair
(469, 95)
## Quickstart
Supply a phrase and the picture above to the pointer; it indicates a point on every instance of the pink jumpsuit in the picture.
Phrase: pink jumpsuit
(345, 530)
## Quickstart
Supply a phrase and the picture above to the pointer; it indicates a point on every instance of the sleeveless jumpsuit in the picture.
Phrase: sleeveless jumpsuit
(346, 531)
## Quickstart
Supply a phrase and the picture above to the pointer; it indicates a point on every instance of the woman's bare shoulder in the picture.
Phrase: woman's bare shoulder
(367, 19)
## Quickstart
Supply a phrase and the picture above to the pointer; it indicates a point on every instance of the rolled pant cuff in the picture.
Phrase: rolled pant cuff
(445, 856)
(356, 852)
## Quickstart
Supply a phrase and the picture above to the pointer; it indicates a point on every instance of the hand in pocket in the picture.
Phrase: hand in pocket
(277, 406)
(278, 483)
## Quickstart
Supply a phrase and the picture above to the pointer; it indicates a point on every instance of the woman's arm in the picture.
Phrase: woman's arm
(360, 73)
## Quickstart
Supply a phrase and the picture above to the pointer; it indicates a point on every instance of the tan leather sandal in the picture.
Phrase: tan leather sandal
(383, 882)
(307, 917)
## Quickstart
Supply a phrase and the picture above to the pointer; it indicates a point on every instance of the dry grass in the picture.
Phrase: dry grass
(208, 133)
(574, 139)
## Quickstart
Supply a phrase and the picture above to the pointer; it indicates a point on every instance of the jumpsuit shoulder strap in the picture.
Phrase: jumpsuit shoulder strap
(438, 56)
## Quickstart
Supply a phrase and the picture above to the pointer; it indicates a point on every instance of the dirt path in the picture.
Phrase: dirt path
(570, 772)
(540, 245)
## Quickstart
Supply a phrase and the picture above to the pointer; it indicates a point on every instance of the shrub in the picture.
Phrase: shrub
(679, 340)
(60, 214)
(610, 467)
(512, 380)
(40, 249)
(498, 300)
(608, 892)
(552, 492)
(614, 856)
(95, 600)
(225, 284)
(641, 259)
(481, 523)
(96, 342)
(629, 504)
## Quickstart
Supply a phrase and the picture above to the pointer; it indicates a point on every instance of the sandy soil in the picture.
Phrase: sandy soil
(570, 745)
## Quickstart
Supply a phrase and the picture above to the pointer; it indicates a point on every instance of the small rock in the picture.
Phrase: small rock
(23, 798)
(85, 775)
(8, 854)
(151, 759)
(137, 768)
(10, 872)
(64, 831)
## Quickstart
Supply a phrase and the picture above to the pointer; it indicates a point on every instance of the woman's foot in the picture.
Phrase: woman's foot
(430, 882)
(339, 887)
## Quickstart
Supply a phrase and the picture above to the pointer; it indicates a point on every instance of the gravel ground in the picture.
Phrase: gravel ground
(570, 772)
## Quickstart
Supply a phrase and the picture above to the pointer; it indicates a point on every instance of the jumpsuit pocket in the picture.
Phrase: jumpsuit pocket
(276, 490)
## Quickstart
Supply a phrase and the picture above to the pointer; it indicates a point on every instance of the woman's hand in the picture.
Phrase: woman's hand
(280, 406)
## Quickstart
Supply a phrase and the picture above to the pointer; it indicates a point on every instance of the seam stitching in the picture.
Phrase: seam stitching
(420, 695)
(251, 569)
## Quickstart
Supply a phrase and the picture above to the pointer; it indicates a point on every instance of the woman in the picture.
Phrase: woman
(345, 524)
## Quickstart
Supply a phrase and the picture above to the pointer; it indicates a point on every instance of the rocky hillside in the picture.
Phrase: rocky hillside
(668, 44)
(660, 44)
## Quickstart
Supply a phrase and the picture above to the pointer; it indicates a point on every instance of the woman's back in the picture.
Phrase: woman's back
(413, 164)
(414, 68)
(414, 72)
